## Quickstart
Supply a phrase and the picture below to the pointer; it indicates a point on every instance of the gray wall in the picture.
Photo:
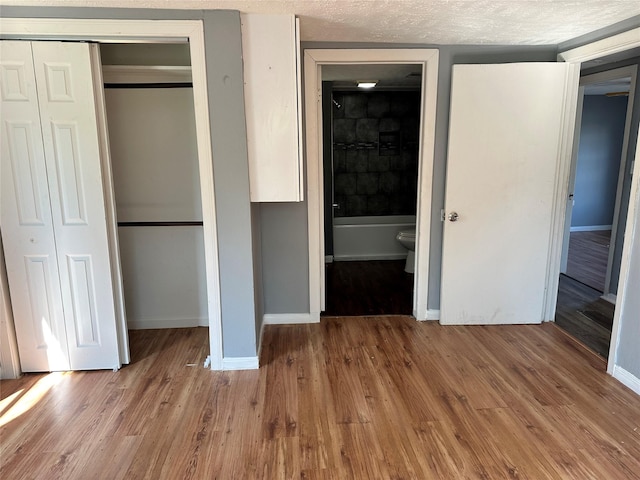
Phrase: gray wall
(223, 45)
(601, 135)
(623, 26)
(285, 257)
(258, 292)
(285, 275)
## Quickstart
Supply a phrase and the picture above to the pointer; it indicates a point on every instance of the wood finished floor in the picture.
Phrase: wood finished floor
(588, 257)
(356, 398)
(580, 310)
(584, 315)
(375, 287)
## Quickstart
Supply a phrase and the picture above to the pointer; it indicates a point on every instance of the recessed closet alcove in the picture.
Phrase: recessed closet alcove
(152, 140)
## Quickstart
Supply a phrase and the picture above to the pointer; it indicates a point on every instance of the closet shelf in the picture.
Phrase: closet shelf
(146, 74)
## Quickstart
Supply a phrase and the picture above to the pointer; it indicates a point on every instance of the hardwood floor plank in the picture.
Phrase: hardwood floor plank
(349, 399)
(317, 417)
(583, 314)
(358, 397)
(523, 458)
(360, 458)
(445, 451)
(588, 257)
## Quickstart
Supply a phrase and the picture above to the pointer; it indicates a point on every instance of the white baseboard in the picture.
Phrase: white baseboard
(240, 363)
(626, 378)
(328, 259)
(352, 258)
(429, 315)
(609, 297)
(290, 318)
(153, 323)
(433, 314)
(591, 228)
(260, 339)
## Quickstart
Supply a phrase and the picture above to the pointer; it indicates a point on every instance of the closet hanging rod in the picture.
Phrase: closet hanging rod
(160, 224)
(149, 85)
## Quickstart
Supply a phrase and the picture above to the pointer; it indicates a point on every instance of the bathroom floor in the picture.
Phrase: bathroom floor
(378, 287)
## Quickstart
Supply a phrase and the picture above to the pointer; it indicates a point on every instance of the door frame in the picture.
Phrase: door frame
(314, 59)
(601, 48)
(616, 73)
(152, 31)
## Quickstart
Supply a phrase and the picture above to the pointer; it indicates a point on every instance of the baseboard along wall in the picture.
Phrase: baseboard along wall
(290, 318)
(591, 228)
(240, 363)
(433, 314)
(154, 323)
(626, 378)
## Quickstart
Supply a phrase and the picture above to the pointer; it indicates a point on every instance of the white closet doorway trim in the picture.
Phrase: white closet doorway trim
(313, 62)
(154, 31)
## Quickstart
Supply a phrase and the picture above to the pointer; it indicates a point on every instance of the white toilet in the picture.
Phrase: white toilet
(408, 240)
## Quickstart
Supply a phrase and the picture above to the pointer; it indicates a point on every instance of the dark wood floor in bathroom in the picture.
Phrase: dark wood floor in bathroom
(379, 287)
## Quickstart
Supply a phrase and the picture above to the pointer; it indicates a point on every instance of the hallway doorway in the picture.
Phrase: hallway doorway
(596, 210)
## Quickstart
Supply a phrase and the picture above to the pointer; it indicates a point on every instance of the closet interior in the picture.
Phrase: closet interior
(152, 140)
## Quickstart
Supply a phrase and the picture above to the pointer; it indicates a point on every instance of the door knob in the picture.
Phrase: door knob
(453, 217)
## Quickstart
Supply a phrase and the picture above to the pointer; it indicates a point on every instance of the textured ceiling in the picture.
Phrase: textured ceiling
(505, 22)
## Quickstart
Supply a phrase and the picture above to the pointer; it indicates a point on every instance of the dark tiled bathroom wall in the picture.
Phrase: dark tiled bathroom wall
(375, 152)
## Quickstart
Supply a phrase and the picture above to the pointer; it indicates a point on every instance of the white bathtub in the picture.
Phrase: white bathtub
(370, 238)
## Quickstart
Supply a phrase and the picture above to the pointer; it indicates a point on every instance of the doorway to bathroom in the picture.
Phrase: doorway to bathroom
(371, 133)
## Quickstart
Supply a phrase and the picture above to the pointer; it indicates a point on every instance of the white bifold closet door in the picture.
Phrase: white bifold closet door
(53, 212)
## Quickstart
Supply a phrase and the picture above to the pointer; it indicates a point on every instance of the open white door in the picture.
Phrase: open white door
(507, 128)
(53, 210)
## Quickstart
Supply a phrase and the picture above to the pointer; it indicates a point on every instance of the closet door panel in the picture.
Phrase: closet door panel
(26, 220)
(72, 153)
